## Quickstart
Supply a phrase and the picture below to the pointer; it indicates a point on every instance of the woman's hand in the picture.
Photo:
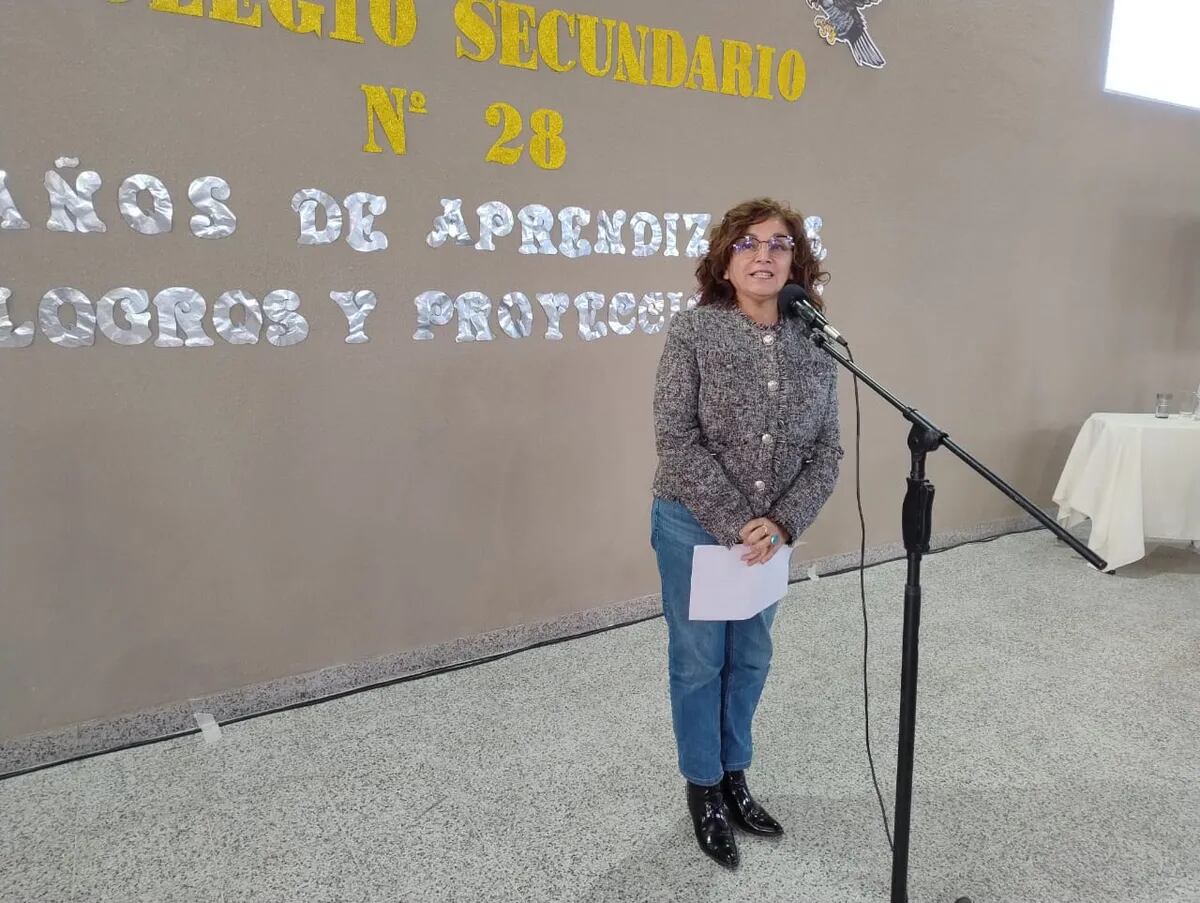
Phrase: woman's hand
(765, 538)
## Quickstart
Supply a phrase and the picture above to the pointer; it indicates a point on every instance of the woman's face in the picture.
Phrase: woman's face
(761, 261)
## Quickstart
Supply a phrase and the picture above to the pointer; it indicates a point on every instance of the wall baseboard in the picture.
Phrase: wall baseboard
(92, 738)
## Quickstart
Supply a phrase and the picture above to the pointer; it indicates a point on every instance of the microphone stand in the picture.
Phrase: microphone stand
(916, 516)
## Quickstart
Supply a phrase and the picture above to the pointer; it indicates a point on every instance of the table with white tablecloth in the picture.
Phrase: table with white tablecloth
(1136, 477)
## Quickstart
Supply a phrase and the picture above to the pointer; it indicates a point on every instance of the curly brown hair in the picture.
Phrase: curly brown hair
(718, 291)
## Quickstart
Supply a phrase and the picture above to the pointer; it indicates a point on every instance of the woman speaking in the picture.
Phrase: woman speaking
(746, 428)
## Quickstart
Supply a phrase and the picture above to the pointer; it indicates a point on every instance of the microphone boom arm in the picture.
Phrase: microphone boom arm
(919, 421)
(916, 519)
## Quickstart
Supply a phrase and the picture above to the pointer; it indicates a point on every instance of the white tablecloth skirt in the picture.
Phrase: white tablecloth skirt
(1136, 477)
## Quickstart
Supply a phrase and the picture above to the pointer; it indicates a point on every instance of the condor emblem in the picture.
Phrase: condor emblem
(842, 20)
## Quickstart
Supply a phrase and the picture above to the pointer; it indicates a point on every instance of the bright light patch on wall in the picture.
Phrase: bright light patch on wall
(1154, 51)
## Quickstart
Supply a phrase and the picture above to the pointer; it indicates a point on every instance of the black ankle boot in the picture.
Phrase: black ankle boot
(711, 821)
(743, 808)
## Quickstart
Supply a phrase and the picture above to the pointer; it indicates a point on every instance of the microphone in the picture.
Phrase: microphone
(795, 302)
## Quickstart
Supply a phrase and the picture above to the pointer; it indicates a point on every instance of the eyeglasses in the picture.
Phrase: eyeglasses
(776, 244)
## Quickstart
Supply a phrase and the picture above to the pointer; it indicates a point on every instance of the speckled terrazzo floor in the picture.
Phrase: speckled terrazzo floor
(1058, 758)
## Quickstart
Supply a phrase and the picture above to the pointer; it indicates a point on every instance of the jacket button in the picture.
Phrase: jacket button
(760, 485)
(772, 385)
(767, 438)
(768, 339)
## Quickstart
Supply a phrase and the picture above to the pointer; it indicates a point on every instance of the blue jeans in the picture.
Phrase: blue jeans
(717, 668)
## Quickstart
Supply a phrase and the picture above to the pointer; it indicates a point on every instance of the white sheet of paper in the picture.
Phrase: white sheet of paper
(725, 588)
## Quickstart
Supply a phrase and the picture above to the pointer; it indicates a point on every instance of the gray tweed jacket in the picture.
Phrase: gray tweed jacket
(746, 422)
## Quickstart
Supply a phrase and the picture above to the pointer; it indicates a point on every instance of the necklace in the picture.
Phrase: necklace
(753, 322)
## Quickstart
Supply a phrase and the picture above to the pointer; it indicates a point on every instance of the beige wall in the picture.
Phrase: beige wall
(1010, 248)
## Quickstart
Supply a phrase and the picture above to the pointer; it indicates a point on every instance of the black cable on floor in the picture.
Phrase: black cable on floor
(446, 669)
(305, 703)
